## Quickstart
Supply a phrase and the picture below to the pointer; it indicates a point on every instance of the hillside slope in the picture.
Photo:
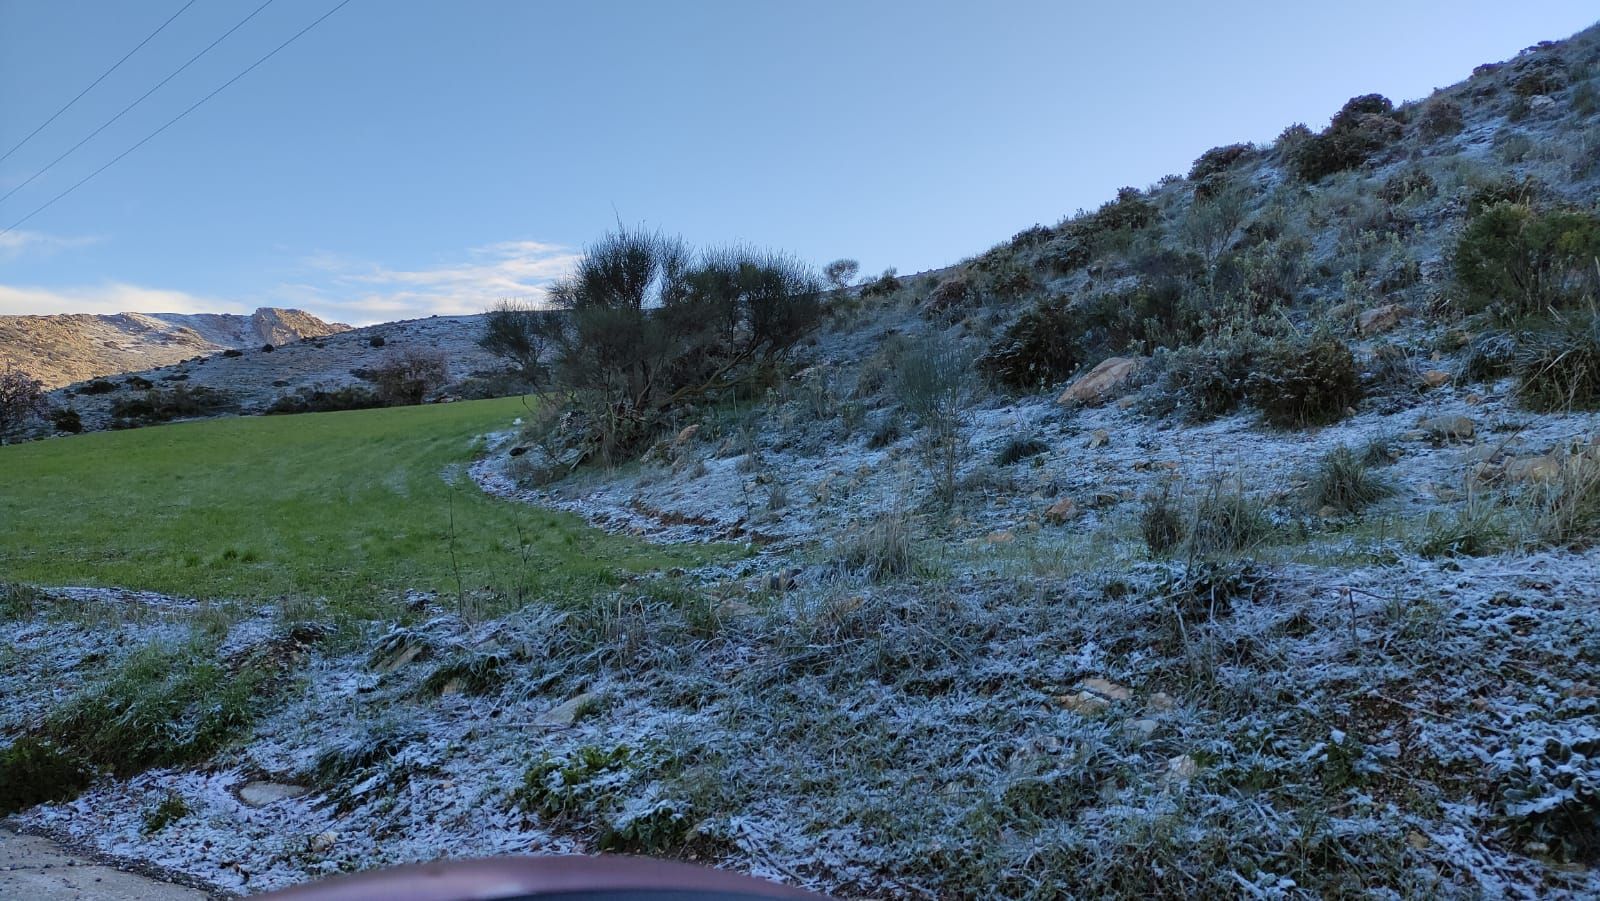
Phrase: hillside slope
(1235, 539)
(65, 348)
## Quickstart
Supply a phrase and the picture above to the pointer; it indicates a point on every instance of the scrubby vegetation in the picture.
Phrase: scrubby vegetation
(1231, 538)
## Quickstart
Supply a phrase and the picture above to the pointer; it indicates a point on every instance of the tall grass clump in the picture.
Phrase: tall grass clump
(1345, 483)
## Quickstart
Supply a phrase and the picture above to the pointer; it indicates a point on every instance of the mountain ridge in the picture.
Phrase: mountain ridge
(59, 349)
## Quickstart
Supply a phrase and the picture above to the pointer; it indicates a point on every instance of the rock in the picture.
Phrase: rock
(1107, 689)
(567, 712)
(1060, 511)
(1450, 428)
(1532, 469)
(1098, 438)
(406, 654)
(1417, 840)
(687, 435)
(1436, 378)
(322, 841)
(1379, 319)
(1161, 701)
(1105, 378)
(260, 794)
(1413, 435)
(1541, 101)
(1084, 703)
(1001, 536)
(1474, 399)
(1141, 728)
(1182, 768)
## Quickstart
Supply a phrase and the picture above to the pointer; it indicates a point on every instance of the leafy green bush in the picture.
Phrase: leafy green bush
(1517, 262)
(1441, 118)
(321, 400)
(166, 404)
(1364, 126)
(1039, 349)
(1302, 383)
(1208, 380)
(66, 420)
(1219, 159)
(884, 285)
(650, 326)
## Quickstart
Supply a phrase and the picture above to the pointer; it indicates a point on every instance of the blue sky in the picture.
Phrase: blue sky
(408, 157)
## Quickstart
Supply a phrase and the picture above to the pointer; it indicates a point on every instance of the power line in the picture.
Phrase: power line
(102, 77)
(174, 120)
(108, 123)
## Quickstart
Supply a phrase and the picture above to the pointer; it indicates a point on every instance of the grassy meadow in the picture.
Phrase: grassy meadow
(353, 507)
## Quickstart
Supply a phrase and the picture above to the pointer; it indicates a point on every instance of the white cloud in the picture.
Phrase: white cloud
(15, 244)
(335, 287)
(110, 297)
(363, 291)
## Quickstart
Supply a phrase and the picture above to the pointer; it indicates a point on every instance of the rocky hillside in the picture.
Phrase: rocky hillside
(253, 379)
(62, 349)
(1234, 539)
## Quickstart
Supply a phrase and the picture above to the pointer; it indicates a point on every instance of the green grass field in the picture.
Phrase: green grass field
(351, 507)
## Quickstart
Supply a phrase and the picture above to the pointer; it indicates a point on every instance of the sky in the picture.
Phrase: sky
(406, 158)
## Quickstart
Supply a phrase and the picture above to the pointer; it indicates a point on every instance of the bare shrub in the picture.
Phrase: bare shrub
(840, 273)
(520, 334)
(407, 377)
(21, 399)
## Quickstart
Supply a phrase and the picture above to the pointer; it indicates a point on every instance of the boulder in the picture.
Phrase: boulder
(567, 712)
(1107, 689)
(1532, 469)
(260, 794)
(1060, 511)
(1100, 382)
(1450, 428)
(1379, 319)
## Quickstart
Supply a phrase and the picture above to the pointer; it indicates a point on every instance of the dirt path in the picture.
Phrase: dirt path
(42, 870)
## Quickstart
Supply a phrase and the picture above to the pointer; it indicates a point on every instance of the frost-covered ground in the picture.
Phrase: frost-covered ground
(1040, 705)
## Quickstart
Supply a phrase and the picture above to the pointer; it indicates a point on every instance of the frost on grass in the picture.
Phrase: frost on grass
(1426, 727)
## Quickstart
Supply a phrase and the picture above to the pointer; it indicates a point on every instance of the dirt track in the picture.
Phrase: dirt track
(42, 870)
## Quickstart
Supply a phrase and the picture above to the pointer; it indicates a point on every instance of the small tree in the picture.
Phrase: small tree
(840, 273)
(520, 334)
(21, 399)
(646, 325)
